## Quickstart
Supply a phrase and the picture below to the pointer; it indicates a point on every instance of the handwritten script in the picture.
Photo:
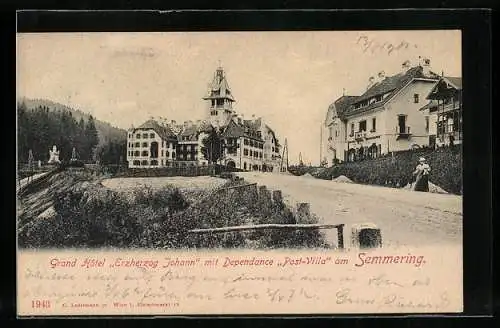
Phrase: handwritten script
(114, 284)
(371, 45)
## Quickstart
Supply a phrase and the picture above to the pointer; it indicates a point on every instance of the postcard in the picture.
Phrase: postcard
(239, 173)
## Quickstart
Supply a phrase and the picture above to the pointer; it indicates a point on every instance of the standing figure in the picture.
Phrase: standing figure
(54, 155)
(421, 175)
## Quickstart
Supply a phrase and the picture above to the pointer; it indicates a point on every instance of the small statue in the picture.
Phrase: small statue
(54, 155)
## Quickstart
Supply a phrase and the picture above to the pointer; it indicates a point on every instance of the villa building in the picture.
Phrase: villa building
(384, 119)
(444, 112)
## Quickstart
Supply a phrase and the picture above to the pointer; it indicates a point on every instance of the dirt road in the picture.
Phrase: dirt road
(406, 218)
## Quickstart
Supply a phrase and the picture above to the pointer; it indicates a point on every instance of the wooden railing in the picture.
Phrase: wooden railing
(255, 227)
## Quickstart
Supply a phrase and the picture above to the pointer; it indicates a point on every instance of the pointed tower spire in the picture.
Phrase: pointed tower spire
(219, 99)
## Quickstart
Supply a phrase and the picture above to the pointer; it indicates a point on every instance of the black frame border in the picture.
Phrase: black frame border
(476, 26)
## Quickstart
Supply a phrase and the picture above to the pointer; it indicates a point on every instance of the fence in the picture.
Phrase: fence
(189, 171)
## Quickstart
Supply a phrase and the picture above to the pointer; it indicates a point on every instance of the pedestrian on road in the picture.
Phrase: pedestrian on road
(421, 175)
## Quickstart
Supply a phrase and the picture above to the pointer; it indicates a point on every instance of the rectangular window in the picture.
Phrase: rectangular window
(415, 98)
(245, 152)
(138, 136)
(145, 136)
(137, 144)
(245, 142)
(144, 144)
(450, 125)
(336, 133)
(402, 123)
(352, 129)
(362, 126)
(427, 124)
(374, 124)
(152, 135)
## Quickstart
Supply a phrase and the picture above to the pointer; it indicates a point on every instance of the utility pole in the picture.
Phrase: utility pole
(320, 145)
(285, 149)
(30, 164)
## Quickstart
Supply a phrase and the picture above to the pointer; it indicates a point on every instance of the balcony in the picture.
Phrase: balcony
(403, 132)
(360, 135)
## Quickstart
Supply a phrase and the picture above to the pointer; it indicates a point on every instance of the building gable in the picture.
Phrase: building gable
(382, 92)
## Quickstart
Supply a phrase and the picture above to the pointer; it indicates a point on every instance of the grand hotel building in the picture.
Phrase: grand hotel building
(249, 144)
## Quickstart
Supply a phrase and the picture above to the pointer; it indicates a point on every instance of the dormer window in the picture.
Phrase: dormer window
(415, 98)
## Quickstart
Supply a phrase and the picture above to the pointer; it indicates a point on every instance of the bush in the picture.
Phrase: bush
(88, 215)
(242, 206)
(94, 216)
(395, 170)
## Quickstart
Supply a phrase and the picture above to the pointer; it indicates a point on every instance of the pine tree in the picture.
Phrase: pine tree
(22, 132)
(91, 136)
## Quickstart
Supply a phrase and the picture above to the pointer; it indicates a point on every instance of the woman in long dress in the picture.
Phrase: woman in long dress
(421, 174)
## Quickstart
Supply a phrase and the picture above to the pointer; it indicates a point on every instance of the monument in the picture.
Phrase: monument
(54, 155)
(73, 155)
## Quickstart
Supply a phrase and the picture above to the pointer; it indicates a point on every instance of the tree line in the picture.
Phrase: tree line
(39, 129)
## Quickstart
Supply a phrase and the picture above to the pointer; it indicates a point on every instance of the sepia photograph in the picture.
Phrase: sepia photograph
(139, 154)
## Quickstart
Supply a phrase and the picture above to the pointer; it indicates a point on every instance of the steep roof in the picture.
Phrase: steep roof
(190, 130)
(447, 85)
(205, 126)
(455, 81)
(163, 131)
(193, 130)
(248, 128)
(233, 130)
(219, 88)
(343, 103)
(389, 87)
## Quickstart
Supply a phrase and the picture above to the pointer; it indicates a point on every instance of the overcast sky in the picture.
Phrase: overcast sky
(288, 78)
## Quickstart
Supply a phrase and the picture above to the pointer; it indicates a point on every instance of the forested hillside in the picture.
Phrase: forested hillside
(42, 124)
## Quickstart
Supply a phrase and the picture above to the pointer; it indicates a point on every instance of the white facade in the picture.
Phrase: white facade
(146, 149)
(396, 124)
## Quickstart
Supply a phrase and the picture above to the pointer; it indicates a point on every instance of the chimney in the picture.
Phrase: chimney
(185, 123)
(405, 66)
(381, 75)
(371, 81)
(172, 122)
(425, 63)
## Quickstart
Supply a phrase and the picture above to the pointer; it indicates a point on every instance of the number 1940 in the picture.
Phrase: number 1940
(40, 304)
